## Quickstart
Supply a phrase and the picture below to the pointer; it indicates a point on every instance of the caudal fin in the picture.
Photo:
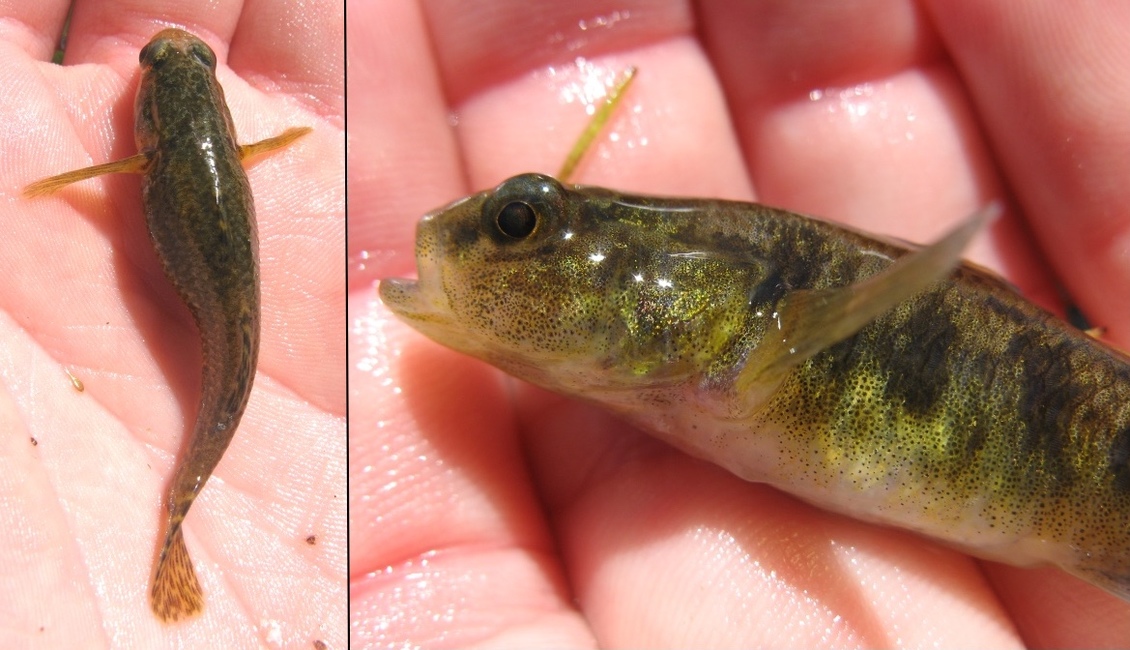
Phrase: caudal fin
(176, 593)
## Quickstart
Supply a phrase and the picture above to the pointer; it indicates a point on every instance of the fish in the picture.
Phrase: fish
(890, 382)
(201, 220)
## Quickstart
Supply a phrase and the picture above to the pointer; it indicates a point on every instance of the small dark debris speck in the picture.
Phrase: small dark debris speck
(312, 540)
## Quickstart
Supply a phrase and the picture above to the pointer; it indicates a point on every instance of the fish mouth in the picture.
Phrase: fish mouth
(399, 294)
(410, 301)
(423, 306)
(421, 303)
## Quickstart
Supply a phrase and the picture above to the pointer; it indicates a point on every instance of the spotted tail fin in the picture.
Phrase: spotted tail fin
(176, 593)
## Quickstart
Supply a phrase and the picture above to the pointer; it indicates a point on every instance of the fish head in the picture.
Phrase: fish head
(513, 276)
(177, 92)
(565, 286)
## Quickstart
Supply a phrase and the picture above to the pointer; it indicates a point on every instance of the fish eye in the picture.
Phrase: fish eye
(517, 220)
(523, 207)
(203, 54)
(155, 53)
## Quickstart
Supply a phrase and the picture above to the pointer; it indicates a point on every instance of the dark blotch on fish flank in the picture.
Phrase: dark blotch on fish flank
(1049, 394)
(770, 290)
(1010, 313)
(918, 373)
(1120, 460)
(843, 359)
(791, 263)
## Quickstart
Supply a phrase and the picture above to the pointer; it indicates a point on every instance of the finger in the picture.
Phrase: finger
(444, 517)
(539, 35)
(403, 159)
(672, 122)
(438, 485)
(294, 49)
(1052, 88)
(33, 27)
(113, 32)
(855, 115)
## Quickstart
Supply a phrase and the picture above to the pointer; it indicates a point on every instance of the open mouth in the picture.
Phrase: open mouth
(418, 302)
(411, 299)
(398, 293)
(423, 303)
(405, 299)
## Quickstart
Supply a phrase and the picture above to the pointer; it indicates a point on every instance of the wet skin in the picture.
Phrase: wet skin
(856, 374)
(201, 219)
(800, 154)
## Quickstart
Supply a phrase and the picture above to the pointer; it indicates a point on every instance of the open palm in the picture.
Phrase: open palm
(83, 292)
(482, 513)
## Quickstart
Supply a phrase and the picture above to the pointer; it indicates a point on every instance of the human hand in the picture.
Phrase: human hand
(482, 515)
(84, 505)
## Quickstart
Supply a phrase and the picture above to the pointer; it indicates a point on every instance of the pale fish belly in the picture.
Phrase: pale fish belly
(878, 486)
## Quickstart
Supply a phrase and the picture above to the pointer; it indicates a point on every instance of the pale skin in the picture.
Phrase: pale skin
(86, 295)
(482, 515)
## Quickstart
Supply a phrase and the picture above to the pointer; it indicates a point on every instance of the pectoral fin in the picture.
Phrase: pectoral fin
(1115, 582)
(809, 321)
(270, 144)
(137, 164)
(133, 165)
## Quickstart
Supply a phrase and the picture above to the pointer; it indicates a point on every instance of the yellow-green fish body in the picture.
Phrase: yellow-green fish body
(800, 354)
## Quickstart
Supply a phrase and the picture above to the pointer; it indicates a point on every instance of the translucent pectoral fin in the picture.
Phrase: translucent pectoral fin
(809, 321)
(133, 165)
(1115, 582)
(270, 144)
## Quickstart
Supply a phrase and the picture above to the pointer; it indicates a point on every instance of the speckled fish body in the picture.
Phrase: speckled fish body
(201, 219)
(961, 411)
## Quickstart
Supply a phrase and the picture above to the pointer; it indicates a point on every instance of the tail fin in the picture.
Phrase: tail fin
(176, 592)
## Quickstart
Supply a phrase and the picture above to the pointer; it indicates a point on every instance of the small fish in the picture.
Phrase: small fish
(201, 219)
(893, 384)
(75, 381)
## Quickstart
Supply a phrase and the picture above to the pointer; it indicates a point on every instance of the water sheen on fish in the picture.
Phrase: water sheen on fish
(897, 386)
(201, 218)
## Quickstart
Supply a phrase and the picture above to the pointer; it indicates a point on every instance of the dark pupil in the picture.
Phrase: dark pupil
(200, 55)
(517, 220)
